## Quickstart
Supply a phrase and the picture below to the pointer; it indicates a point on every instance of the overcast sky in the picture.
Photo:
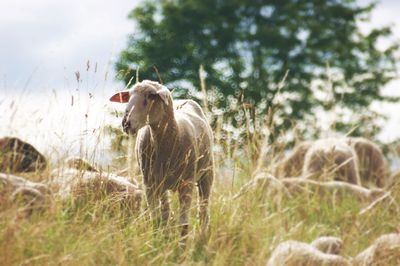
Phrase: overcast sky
(44, 42)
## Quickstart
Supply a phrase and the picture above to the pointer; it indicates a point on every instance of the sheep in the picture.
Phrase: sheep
(385, 250)
(19, 156)
(80, 164)
(393, 180)
(328, 244)
(80, 184)
(15, 189)
(288, 187)
(331, 157)
(373, 169)
(293, 253)
(293, 165)
(173, 148)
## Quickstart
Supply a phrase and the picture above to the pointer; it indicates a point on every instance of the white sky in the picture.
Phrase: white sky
(44, 42)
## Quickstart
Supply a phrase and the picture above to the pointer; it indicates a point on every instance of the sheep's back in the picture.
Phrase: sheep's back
(195, 127)
(332, 154)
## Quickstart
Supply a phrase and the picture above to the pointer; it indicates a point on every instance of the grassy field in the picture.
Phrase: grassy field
(243, 231)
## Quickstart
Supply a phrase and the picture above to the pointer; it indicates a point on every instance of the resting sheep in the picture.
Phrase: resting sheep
(15, 189)
(293, 253)
(329, 159)
(173, 148)
(81, 184)
(371, 162)
(385, 250)
(372, 167)
(293, 165)
(328, 244)
(336, 190)
(80, 164)
(18, 156)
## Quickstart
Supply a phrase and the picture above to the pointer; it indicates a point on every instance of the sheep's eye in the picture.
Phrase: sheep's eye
(152, 96)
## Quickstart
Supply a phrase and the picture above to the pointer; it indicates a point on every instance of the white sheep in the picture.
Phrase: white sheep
(292, 165)
(329, 159)
(173, 147)
(372, 166)
(80, 184)
(336, 190)
(15, 189)
(385, 250)
(328, 244)
(293, 253)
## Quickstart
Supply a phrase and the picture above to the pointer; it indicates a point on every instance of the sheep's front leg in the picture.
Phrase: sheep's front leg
(153, 201)
(164, 208)
(185, 199)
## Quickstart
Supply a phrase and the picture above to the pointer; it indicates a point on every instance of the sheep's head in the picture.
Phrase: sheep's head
(148, 103)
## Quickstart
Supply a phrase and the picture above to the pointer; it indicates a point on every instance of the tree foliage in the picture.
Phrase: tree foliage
(247, 48)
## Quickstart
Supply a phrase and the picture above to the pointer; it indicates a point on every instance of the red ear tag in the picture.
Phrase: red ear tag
(120, 97)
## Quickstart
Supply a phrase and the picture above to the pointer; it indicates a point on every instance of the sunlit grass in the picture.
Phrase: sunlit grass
(243, 231)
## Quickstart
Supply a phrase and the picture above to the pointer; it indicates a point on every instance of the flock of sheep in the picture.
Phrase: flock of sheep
(174, 152)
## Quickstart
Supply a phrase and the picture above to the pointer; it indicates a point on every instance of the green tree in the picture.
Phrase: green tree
(247, 47)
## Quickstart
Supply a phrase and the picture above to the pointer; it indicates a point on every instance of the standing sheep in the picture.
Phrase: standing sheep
(331, 157)
(173, 147)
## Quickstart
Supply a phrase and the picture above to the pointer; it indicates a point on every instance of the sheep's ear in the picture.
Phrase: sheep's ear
(164, 94)
(121, 97)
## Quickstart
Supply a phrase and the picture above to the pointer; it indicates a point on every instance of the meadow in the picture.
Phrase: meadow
(243, 230)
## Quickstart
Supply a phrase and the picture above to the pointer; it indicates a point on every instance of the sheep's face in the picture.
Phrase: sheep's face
(143, 109)
(146, 106)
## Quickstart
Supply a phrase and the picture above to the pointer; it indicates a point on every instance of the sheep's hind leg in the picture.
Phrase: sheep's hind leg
(204, 186)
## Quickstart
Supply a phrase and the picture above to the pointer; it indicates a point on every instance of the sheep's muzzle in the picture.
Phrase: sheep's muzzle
(126, 125)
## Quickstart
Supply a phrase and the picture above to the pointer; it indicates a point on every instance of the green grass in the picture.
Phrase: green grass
(243, 231)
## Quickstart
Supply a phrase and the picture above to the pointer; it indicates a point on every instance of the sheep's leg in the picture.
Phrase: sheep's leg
(153, 201)
(204, 186)
(185, 198)
(165, 208)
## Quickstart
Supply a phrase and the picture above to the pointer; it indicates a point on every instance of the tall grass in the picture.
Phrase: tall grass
(243, 231)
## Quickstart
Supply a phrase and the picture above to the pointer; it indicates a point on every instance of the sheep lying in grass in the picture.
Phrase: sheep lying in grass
(385, 250)
(336, 190)
(331, 159)
(81, 185)
(394, 179)
(19, 156)
(328, 244)
(293, 165)
(173, 148)
(371, 162)
(293, 253)
(14, 189)
(80, 164)
(372, 167)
